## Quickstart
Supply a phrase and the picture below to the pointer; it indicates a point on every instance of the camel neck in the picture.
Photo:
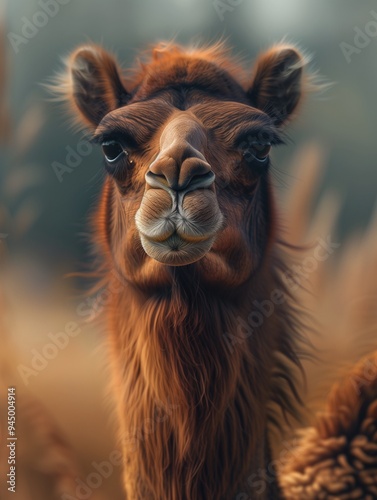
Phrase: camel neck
(204, 397)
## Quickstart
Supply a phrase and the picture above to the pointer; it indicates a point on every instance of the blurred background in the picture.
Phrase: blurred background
(326, 180)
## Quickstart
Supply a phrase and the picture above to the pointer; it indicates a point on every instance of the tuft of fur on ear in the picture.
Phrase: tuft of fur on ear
(278, 82)
(91, 83)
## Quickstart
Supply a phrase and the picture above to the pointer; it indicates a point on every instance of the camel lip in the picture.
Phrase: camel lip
(175, 251)
(177, 237)
(176, 223)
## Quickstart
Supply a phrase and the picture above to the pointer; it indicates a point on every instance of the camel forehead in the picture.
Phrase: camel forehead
(141, 120)
(190, 73)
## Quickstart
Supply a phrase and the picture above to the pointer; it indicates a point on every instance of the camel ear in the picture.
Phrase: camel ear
(277, 82)
(93, 84)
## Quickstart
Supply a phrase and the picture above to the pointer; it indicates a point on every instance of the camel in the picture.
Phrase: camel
(204, 334)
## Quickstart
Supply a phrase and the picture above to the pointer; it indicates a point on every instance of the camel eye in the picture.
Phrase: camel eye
(113, 150)
(260, 151)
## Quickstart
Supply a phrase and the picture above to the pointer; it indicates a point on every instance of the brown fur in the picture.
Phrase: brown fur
(337, 458)
(195, 383)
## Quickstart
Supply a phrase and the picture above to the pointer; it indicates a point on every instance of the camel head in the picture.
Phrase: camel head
(186, 141)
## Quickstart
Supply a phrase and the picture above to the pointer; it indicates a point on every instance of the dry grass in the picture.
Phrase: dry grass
(342, 290)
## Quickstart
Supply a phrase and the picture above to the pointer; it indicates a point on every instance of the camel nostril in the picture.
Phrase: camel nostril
(157, 180)
(194, 171)
(199, 181)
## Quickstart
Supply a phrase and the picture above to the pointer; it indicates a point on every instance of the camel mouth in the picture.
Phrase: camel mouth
(176, 250)
(178, 234)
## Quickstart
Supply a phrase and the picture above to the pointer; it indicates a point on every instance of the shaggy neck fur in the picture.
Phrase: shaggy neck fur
(195, 381)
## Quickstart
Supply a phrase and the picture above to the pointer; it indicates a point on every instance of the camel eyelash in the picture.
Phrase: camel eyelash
(124, 138)
(248, 138)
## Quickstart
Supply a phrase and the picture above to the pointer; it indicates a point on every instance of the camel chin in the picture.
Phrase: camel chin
(175, 251)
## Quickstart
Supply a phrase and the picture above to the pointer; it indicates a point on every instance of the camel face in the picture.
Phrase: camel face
(186, 146)
(186, 191)
(200, 186)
